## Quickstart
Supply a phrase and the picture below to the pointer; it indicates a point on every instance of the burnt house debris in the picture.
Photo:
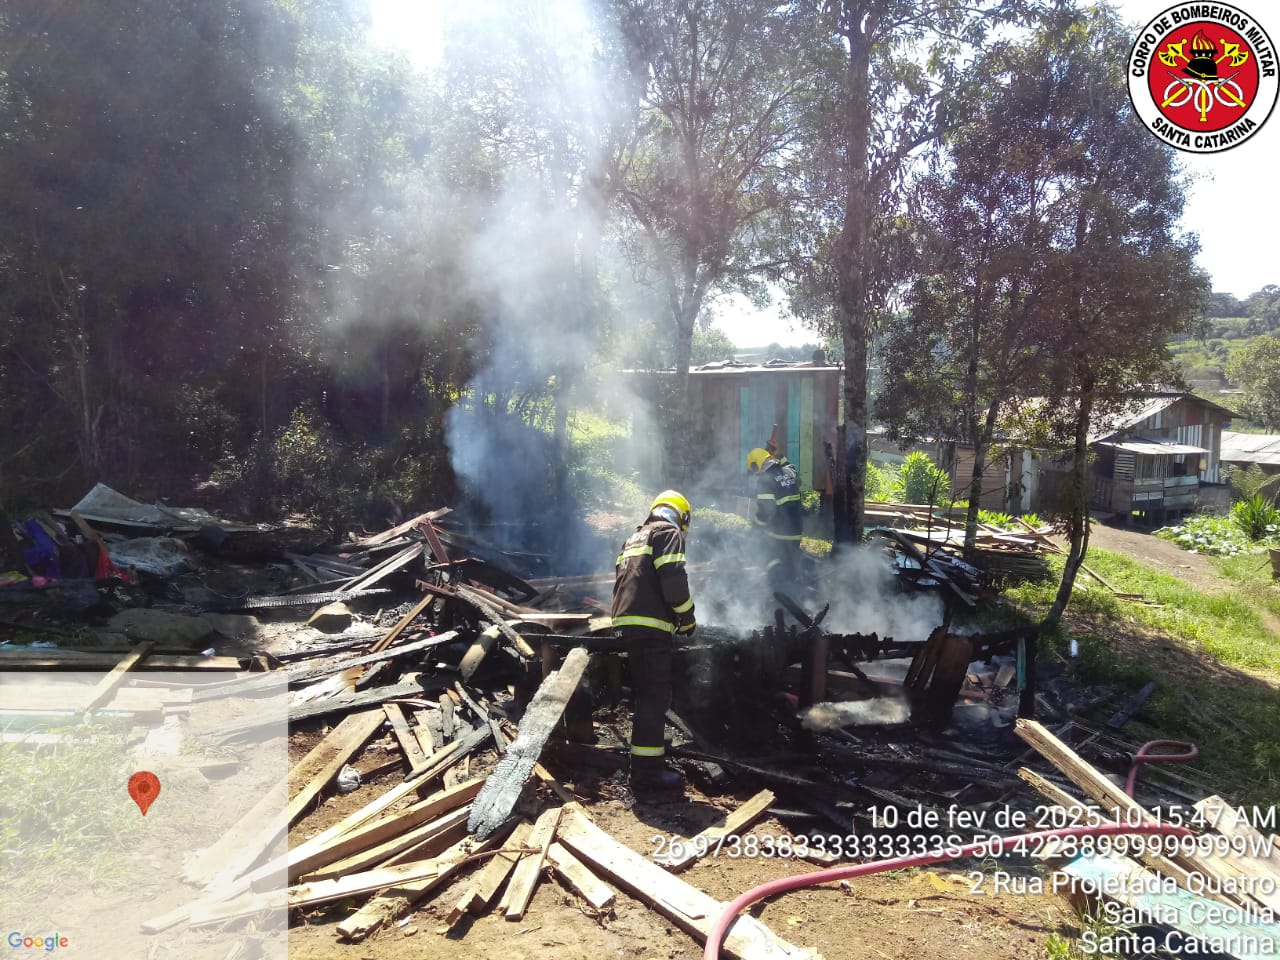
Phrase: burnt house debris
(483, 711)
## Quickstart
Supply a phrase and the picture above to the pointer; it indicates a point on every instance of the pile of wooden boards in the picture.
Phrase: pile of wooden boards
(476, 839)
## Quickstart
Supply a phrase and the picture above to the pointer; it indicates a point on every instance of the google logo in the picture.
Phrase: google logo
(50, 943)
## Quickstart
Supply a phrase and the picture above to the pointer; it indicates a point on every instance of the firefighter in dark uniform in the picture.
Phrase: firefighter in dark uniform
(651, 603)
(778, 515)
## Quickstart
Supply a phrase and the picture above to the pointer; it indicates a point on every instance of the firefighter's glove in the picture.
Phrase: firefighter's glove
(687, 625)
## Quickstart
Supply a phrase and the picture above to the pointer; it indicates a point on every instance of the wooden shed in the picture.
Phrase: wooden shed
(736, 406)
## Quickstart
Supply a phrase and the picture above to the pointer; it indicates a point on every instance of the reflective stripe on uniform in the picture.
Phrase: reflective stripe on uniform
(765, 496)
(651, 622)
(648, 751)
(684, 607)
(791, 499)
(643, 551)
(786, 536)
(666, 558)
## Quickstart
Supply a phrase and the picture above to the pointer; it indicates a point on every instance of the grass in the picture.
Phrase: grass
(1251, 575)
(1227, 625)
(53, 812)
(1215, 663)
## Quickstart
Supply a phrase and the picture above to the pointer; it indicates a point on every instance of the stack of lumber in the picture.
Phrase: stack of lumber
(930, 548)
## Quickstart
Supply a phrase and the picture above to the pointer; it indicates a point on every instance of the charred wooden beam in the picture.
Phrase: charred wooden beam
(498, 798)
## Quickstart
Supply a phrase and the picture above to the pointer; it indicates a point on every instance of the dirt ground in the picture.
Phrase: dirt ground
(1195, 569)
(928, 914)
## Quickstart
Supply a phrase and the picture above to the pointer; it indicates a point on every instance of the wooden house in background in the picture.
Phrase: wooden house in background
(1161, 457)
(735, 407)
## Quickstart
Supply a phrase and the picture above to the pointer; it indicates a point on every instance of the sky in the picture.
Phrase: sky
(1233, 202)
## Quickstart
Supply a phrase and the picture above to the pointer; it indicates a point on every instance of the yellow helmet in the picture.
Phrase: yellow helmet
(669, 498)
(756, 459)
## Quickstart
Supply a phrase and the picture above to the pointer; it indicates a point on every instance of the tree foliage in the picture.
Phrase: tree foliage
(1256, 371)
(704, 146)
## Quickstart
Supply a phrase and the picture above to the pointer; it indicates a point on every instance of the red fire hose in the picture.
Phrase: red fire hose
(1145, 754)
(718, 930)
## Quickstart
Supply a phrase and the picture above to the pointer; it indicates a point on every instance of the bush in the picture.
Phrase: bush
(993, 519)
(309, 469)
(923, 481)
(1251, 482)
(1257, 517)
(884, 484)
(1218, 536)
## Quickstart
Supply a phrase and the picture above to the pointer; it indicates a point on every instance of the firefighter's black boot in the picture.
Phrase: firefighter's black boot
(651, 775)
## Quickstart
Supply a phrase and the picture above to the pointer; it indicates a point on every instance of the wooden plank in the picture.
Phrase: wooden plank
(422, 731)
(206, 913)
(433, 869)
(805, 463)
(498, 798)
(1258, 870)
(446, 716)
(1117, 806)
(310, 856)
(529, 870)
(401, 529)
(243, 843)
(686, 906)
(1121, 716)
(386, 907)
(433, 540)
(106, 687)
(101, 660)
(384, 569)
(425, 840)
(706, 841)
(366, 698)
(303, 674)
(792, 448)
(1197, 919)
(393, 634)
(408, 742)
(314, 771)
(309, 853)
(579, 878)
(480, 892)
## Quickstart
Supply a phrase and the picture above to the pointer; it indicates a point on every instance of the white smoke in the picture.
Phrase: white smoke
(865, 598)
(849, 713)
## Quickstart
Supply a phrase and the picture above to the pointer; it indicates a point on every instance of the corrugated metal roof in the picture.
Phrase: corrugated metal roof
(772, 366)
(1153, 448)
(1139, 409)
(1251, 447)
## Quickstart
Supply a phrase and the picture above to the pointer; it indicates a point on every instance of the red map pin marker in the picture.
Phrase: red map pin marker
(144, 787)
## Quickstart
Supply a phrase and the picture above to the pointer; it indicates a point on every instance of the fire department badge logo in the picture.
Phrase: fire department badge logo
(1202, 76)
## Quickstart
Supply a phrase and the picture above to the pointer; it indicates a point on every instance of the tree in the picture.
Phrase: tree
(1256, 370)
(981, 324)
(1222, 304)
(701, 157)
(1263, 310)
(142, 214)
(1124, 276)
(885, 64)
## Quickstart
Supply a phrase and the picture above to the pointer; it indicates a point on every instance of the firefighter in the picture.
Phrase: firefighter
(651, 603)
(778, 514)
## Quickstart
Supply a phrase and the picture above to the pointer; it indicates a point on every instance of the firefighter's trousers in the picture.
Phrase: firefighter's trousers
(650, 654)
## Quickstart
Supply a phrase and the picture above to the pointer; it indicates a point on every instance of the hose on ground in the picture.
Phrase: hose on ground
(983, 848)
